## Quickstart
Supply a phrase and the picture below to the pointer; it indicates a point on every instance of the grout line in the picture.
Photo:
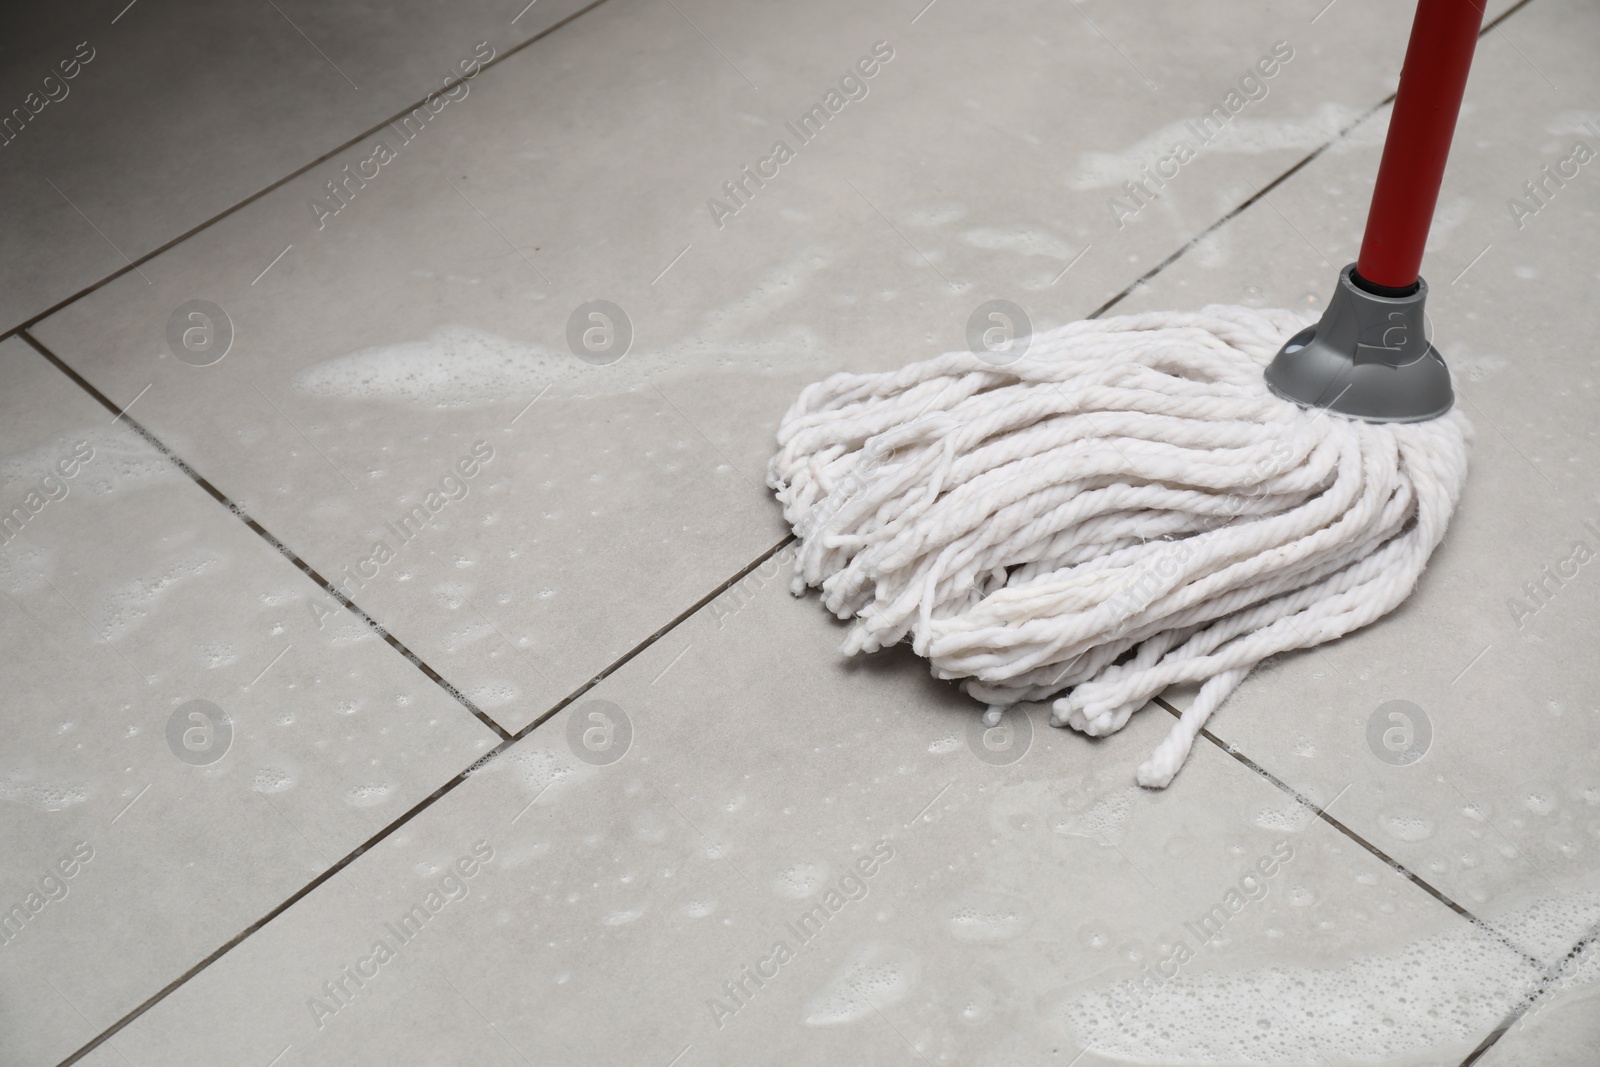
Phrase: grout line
(1494, 1035)
(623, 660)
(508, 53)
(95, 228)
(285, 180)
(294, 898)
(1322, 814)
(506, 741)
(1498, 19)
(1261, 193)
(1522, 1010)
(1377, 853)
(417, 808)
(266, 535)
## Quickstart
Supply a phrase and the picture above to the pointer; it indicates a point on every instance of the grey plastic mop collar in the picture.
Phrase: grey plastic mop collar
(1369, 357)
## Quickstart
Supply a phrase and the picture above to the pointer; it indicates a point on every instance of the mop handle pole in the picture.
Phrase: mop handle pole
(1432, 81)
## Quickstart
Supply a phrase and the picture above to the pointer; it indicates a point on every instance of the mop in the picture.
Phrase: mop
(1152, 500)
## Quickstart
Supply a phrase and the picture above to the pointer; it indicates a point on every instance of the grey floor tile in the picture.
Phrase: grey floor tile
(138, 838)
(1503, 810)
(126, 124)
(433, 310)
(600, 892)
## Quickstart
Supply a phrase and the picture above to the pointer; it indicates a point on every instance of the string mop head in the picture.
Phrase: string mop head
(1125, 508)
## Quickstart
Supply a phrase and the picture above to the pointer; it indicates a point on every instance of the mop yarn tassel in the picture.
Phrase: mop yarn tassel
(1125, 508)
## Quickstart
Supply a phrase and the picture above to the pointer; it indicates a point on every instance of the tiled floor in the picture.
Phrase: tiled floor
(584, 575)
(1505, 809)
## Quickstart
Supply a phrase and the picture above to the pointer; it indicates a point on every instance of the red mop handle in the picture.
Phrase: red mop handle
(1432, 81)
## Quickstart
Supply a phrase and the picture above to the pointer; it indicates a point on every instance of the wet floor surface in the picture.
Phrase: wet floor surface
(401, 657)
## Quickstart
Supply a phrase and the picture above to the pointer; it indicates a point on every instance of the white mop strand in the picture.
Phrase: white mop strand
(1124, 509)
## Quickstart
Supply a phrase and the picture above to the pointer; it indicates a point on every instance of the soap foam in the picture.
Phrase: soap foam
(218, 654)
(541, 768)
(457, 366)
(1548, 926)
(1103, 170)
(45, 796)
(1292, 818)
(23, 567)
(800, 880)
(1439, 996)
(469, 634)
(987, 917)
(1103, 819)
(1370, 1010)
(1571, 122)
(700, 907)
(122, 459)
(1406, 825)
(367, 796)
(780, 286)
(1023, 241)
(492, 694)
(453, 367)
(133, 601)
(271, 780)
(876, 977)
